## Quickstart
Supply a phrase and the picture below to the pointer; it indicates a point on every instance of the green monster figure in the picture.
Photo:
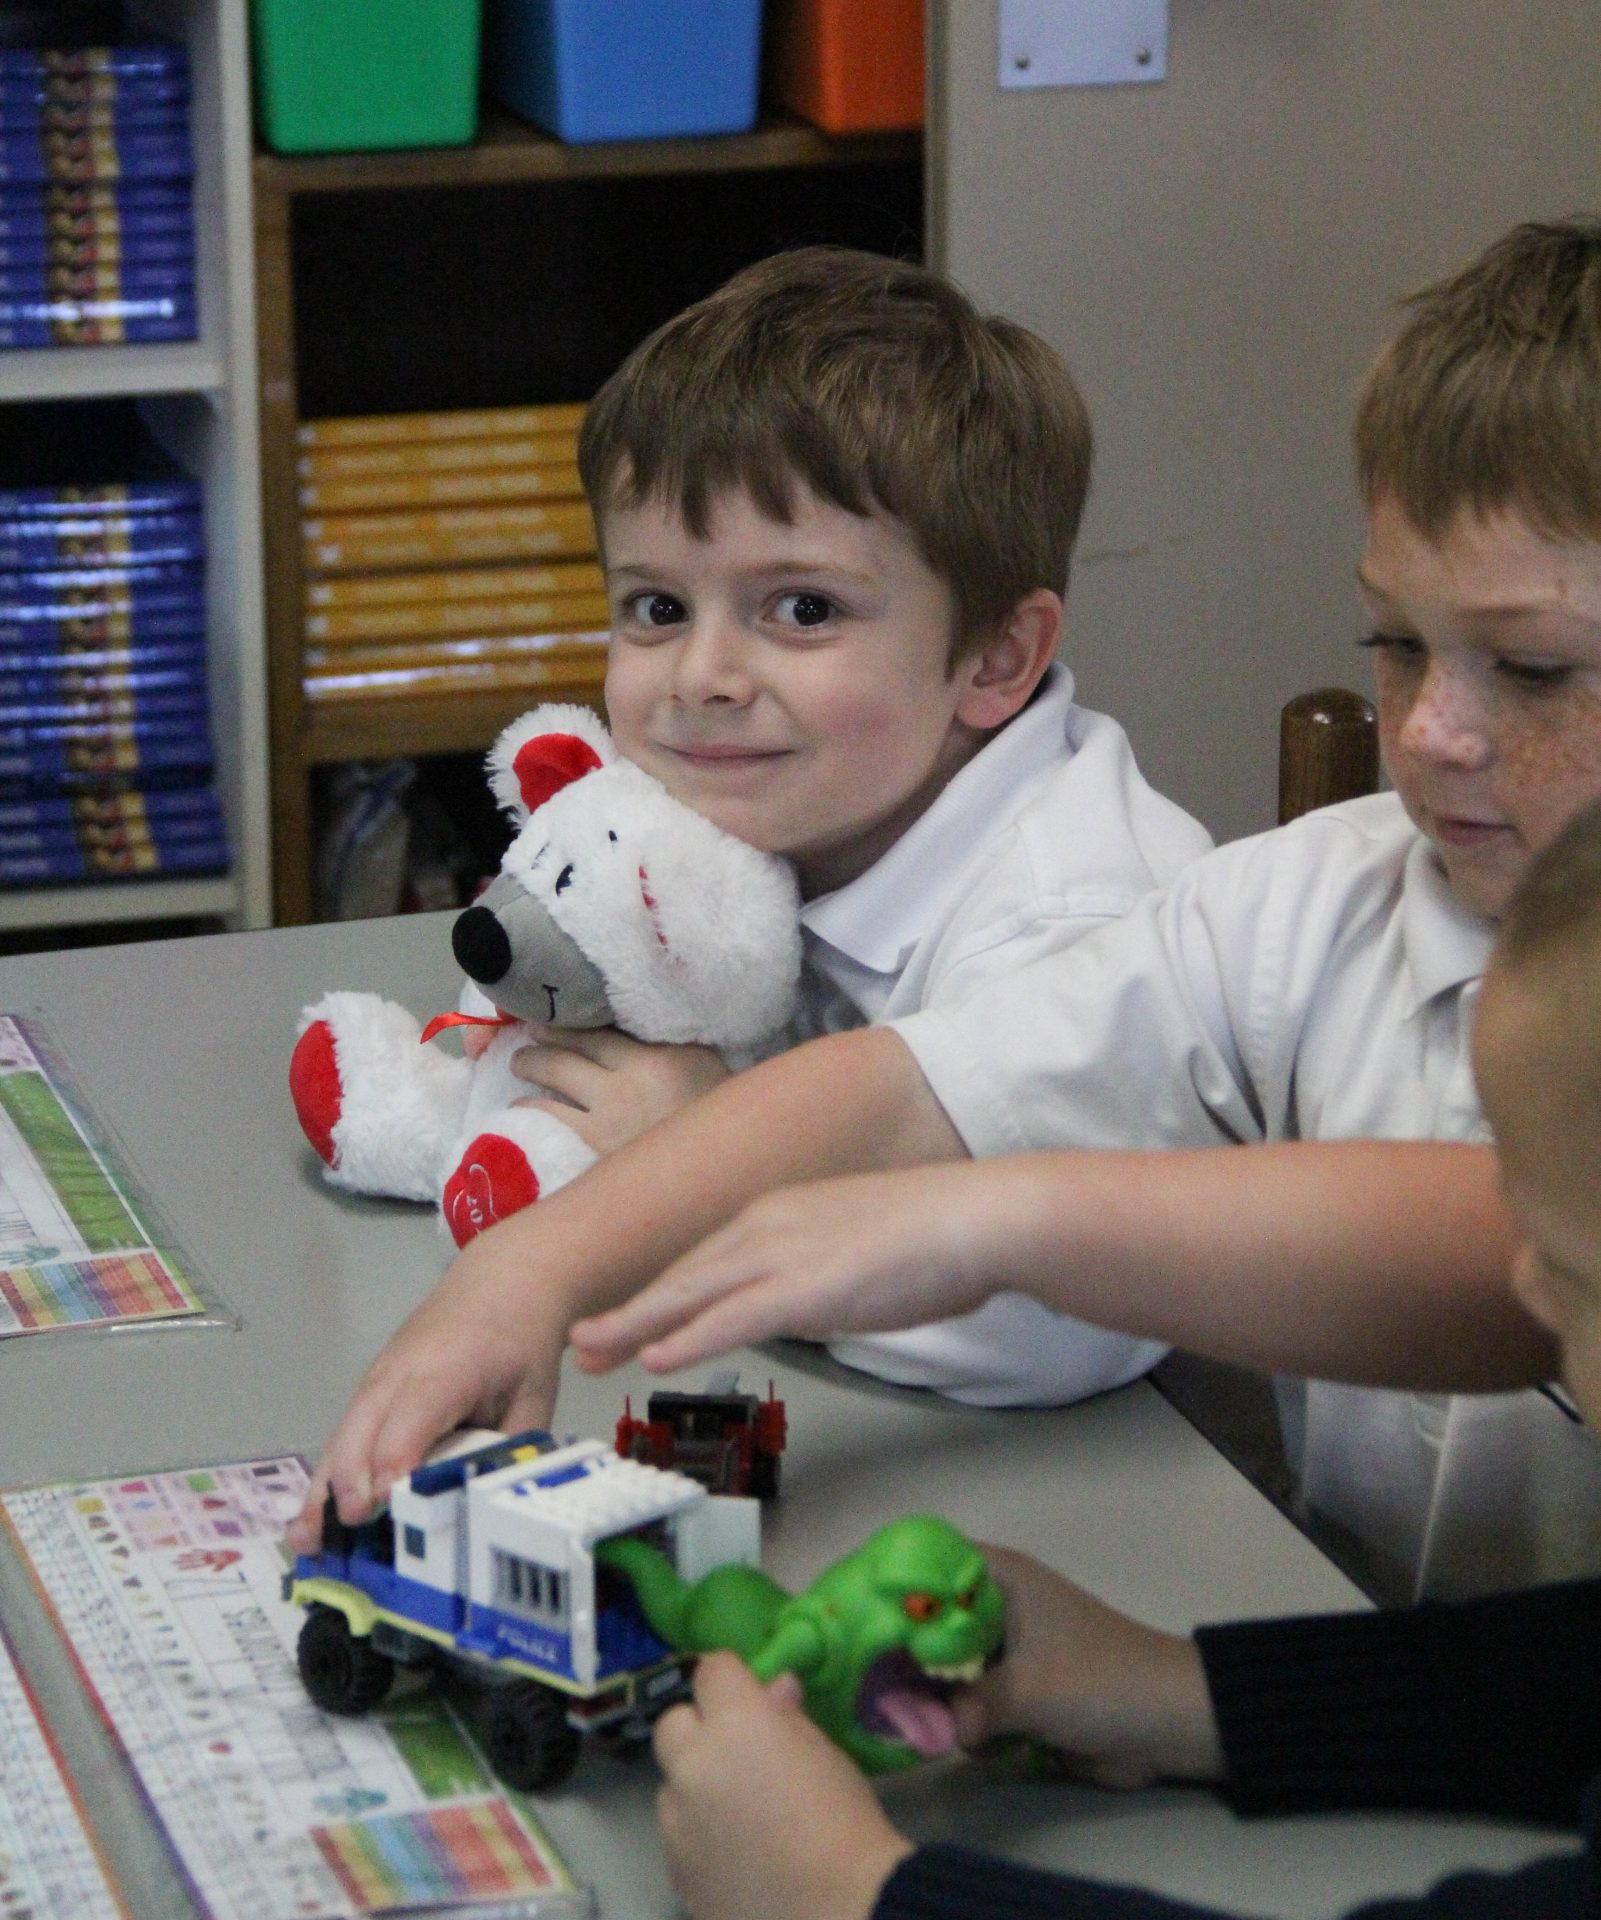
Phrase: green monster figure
(878, 1640)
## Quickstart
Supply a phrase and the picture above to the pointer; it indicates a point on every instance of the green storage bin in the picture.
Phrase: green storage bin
(336, 75)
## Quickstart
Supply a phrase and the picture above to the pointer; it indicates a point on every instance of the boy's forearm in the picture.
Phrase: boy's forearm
(1379, 1263)
(851, 1103)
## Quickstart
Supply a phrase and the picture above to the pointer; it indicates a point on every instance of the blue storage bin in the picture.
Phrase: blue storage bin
(626, 69)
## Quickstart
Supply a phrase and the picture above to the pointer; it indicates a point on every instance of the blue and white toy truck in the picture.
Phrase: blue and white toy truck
(483, 1569)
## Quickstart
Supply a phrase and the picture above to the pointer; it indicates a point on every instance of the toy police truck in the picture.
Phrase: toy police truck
(483, 1570)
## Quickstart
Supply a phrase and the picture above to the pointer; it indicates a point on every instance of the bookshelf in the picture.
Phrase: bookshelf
(199, 398)
(517, 270)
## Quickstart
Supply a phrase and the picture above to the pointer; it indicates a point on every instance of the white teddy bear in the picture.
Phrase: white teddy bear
(615, 905)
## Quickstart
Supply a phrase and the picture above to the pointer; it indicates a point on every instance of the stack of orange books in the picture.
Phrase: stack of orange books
(448, 551)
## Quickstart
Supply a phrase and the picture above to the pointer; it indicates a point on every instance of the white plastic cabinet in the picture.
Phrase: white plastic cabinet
(200, 399)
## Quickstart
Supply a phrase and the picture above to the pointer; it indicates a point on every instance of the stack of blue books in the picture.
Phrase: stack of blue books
(105, 740)
(97, 229)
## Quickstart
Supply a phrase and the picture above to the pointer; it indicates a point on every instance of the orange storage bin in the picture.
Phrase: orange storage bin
(849, 66)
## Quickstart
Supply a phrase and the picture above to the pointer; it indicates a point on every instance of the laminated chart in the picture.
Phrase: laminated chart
(74, 1251)
(167, 1588)
(48, 1867)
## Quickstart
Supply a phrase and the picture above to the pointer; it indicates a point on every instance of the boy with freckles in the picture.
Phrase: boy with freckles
(1491, 1706)
(1306, 995)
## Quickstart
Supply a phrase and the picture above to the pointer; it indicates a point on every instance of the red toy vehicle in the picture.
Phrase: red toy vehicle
(729, 1441)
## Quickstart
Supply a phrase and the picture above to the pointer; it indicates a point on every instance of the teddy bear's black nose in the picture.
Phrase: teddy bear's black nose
(482, 950)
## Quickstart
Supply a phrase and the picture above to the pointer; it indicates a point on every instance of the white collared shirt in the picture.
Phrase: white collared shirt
(1316, 982)
(1051, 830)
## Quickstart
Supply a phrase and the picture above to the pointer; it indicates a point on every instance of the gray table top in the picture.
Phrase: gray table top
(182, 1048)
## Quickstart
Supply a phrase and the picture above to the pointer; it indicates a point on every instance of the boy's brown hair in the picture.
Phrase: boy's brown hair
(879, 386)
(1489, 398)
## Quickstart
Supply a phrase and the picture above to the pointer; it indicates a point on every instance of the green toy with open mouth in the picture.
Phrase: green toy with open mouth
(879, 1641)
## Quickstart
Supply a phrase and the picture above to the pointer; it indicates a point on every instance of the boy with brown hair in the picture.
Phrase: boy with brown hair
(1490, 1707)
(836, 508)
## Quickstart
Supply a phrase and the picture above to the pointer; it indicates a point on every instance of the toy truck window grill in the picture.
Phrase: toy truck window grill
(484, 1569)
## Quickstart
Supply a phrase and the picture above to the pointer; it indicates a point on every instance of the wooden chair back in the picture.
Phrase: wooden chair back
(1328, 750)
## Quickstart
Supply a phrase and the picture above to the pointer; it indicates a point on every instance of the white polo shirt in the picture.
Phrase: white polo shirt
(1048, 832)
(1317, 983)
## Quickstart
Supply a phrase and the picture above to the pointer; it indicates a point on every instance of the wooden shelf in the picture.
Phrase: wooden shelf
(509, 150)
(426, 723)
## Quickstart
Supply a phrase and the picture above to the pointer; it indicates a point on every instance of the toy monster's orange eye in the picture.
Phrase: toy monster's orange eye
(967, 1601)
(920, 1606)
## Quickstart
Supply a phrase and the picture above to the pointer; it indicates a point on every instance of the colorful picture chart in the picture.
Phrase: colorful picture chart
(48, 1867)
(73, 1250)
(168, 1588)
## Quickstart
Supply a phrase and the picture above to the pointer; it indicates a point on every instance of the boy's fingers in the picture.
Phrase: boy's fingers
(411, 1423)
(724, 1684)
(756, 1311)
(304, 1532)
(529, 1406)
(673, 1732)
(978, 1710)
(707, 1336)
(786, 1690)
(678, 1293)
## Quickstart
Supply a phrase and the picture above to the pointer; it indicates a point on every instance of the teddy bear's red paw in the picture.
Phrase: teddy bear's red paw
(492, 1181)
(314, 1087)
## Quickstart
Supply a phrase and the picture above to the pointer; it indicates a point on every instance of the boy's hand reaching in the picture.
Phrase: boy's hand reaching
(1122, 1704)
(760, 1813)
(484, 1349)
(862, 1254)
(611, 1087)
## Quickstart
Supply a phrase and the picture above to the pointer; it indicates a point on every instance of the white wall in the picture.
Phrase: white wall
(1218, 256)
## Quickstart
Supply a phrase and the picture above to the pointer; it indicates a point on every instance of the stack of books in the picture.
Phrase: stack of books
(105, 740)
(97, 231)
(448, 552)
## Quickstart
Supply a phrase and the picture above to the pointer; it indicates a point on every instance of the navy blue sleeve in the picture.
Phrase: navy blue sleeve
(1484, 1706)
(954, 1883)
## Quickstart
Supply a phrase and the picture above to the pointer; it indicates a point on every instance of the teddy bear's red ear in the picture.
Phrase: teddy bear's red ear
(549, 762)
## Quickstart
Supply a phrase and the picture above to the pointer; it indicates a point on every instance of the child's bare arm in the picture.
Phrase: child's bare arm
(486, 1346)
(1383, 1263)
(612, 1087)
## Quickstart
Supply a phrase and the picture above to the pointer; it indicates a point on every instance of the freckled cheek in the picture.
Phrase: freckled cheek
(1549, 773)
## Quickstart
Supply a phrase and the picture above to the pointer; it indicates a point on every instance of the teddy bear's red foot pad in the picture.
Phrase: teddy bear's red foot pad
(314, 1087)
(492, 1182)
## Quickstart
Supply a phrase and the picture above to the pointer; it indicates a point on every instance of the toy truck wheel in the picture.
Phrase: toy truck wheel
(525, 1735)
(341, 1672)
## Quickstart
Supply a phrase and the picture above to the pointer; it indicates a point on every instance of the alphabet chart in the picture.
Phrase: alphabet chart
(48, 1866)
(168, 1589)
(73, 1250)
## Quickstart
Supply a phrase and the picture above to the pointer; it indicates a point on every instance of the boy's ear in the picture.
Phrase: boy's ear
(1000, 678)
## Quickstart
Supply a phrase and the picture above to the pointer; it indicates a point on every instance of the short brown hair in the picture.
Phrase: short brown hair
(878, 385)
(1489, 397)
